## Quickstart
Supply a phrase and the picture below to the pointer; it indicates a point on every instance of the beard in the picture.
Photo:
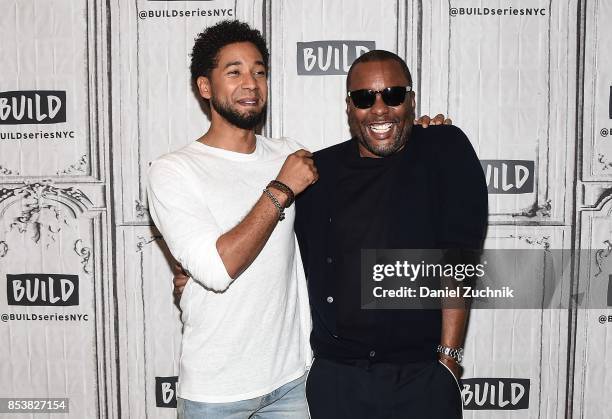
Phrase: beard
(381, 150)
(247, 120)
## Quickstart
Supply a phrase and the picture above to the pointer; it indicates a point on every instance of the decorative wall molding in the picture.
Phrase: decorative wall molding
(543, 241)
(143, 241)
(536, 210)
(45, 208)
(601, 255)
(8, 172)
(142, 211)
(595, 196)
(78, 167)
(85, 253)
(605, 164)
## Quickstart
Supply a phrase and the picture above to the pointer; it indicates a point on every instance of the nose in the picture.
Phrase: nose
(248, 81)
(379, 107)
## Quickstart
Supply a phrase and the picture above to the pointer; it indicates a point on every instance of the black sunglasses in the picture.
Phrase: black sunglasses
(392, 96)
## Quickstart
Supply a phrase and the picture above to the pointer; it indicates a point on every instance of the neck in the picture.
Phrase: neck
(222, 134)
(364, 152)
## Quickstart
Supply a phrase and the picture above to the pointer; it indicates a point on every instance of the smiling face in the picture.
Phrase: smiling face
(381, 130)
(237, 87)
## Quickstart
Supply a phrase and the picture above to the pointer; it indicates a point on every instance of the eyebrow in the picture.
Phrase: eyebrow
(240, 62)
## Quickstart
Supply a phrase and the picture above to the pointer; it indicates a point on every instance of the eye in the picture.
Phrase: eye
(233, 73)
(260, 73)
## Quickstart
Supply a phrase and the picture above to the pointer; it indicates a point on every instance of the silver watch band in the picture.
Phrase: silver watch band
(455, 353)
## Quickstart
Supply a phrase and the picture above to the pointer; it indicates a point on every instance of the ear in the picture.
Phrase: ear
(204, 87)
(347, 100)
(413, 99)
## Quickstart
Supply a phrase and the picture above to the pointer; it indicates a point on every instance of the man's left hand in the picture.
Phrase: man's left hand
(179, 280)
(426, 121)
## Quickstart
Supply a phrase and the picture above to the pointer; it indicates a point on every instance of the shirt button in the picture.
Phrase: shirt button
(328, 259)
(330, 219)
(330, 299)
(372, 354)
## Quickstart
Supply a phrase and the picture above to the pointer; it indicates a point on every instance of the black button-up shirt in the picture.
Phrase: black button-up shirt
(431, 194)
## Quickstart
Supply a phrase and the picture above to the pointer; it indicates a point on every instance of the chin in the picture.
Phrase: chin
(380, 148)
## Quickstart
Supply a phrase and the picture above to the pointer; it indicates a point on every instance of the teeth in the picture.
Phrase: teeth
(379, 128)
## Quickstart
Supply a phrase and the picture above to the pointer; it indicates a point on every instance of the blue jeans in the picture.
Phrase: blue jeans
(286, 402)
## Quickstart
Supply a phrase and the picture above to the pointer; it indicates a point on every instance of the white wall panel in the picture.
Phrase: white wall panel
(597, 111)
(149, 325)
(156, 107)
(520, 343)
(58, 231)
(593, 337)
(296, 100)
(510, 83)
(50, 46)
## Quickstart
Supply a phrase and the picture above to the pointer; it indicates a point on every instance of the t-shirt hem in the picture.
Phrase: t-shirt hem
(202, 398)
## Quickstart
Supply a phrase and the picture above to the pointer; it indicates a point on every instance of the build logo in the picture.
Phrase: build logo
(165, 391)
(32, 107)
(495, 393)
(509, 176)
(42, 290)
(321, 58)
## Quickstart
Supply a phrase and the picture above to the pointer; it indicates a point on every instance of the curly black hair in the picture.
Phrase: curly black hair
(212, 39)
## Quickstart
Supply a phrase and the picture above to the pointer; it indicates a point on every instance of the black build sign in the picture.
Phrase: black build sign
(509, 176)
(32, 107)
(165, 391)
(322, 58)
(495, 393)
(42, 290)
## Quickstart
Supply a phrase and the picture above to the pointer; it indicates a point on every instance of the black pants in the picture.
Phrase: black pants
(425, 390)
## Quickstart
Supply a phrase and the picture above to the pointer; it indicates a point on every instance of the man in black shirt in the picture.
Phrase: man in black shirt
(392, 186)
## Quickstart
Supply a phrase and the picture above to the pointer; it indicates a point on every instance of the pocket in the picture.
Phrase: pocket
(448, 371)
(460, 396)
(306, 386)
(308, 373)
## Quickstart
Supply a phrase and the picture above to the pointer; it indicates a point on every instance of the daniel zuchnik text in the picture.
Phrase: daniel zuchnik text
(426, 292)
(458, 272)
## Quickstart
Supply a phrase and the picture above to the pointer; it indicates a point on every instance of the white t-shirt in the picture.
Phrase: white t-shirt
(242, 338)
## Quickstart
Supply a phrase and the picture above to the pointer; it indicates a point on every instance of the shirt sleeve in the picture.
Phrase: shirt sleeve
(462, 193)
(187, 225)
(293, 145)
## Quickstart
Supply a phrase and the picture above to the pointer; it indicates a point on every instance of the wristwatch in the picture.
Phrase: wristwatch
(455, 353)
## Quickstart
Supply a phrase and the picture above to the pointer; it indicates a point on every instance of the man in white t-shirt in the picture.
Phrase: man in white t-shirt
(220, 203)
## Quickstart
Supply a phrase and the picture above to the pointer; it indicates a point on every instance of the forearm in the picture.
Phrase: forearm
(239, 247)
(453, 327)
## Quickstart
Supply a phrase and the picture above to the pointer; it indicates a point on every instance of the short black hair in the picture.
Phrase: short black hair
(204, 56)
(379, 55)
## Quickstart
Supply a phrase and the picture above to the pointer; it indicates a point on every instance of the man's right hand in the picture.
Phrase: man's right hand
(180, 280)
(298, 171)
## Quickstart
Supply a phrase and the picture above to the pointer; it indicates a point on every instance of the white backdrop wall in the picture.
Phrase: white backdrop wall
(92, 91)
